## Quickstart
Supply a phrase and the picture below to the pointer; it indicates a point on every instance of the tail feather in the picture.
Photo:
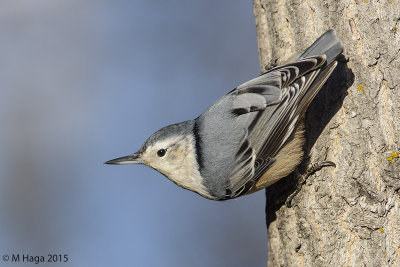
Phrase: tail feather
(327, 44)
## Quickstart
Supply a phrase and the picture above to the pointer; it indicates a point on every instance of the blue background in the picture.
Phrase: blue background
(82, 82)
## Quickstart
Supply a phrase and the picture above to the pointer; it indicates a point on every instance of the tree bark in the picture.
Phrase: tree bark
(348, 215)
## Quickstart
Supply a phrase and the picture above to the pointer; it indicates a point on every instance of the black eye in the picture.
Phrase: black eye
(161, 152)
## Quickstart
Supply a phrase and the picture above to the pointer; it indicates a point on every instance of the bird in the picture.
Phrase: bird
(248, 139)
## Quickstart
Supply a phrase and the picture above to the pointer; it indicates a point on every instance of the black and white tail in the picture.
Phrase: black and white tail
(327, 44)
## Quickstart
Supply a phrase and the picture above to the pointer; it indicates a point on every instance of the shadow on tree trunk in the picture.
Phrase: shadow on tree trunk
(323, 108)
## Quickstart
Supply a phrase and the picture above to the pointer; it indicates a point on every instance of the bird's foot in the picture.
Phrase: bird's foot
(301, 178)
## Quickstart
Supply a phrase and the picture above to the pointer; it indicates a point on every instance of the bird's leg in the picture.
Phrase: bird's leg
(301, 179)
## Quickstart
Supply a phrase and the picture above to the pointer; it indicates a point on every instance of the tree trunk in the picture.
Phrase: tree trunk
(348, 215)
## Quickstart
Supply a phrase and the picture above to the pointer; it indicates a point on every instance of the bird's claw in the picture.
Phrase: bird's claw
(302, 178)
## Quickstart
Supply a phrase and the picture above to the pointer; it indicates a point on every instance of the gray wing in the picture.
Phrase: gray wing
(269, 107)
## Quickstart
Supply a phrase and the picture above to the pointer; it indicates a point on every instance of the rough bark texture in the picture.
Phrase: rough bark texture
(348, 215)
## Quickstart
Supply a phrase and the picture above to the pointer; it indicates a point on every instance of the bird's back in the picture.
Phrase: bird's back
(250, 125)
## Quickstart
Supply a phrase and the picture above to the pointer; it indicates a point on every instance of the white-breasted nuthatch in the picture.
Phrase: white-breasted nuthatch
(248, 139)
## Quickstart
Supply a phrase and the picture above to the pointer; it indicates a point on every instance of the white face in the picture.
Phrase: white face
(176, 159)
(166, 156)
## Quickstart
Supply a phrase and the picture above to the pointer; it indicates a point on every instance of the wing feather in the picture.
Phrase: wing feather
(269, 107)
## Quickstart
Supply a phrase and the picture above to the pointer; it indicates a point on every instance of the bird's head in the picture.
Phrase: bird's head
(164, 151)
(171, 151)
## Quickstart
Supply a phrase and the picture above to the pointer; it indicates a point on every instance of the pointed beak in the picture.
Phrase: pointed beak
(131, 159)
